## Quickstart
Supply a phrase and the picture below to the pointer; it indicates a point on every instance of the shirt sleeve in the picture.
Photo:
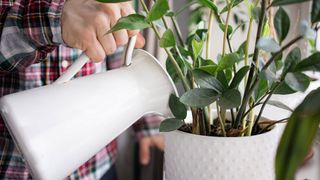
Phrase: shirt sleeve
(147, 126)
(29, 30)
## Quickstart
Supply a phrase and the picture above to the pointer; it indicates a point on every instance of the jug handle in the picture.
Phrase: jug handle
(83, 59)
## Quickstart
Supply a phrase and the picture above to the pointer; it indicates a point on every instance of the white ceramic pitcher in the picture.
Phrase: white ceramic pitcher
(59, 127)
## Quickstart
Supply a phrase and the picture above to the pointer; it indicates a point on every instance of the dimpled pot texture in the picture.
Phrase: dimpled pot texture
(195, 157)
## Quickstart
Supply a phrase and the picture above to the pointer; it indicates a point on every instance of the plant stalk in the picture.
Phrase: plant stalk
(247, 90)
(175, 64)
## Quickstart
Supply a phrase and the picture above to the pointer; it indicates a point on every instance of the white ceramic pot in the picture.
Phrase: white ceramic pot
(195, 157)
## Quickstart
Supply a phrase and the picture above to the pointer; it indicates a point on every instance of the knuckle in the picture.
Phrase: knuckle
(110, 50)
(122, 41)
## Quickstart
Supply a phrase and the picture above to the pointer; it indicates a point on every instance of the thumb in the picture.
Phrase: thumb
(144, 153)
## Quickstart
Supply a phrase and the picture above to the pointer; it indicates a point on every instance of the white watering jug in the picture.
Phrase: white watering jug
(59, 127)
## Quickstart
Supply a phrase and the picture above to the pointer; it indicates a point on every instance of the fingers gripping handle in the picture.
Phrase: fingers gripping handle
(83, 59)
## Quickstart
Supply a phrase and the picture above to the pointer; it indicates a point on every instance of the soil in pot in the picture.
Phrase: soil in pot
(231, 132)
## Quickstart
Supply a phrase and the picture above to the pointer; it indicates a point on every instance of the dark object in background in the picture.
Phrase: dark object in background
(154, 170)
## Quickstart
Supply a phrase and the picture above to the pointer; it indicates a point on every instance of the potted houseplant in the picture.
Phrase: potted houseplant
(231, 142)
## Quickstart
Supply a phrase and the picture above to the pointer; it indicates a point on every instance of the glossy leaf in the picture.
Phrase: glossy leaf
(170, 125)
(158, 10)
(206, 80)
(167, 39)
(297, 81)
(211, 69)
(229, 29)
(284, 89)
(209, 4)
(177, 108)
(131, 22)
(230, 99)
(315, 12)
(268, 44)
(261, 89)
(291, 61)
(281, 23)
(228, 61)
(199, 97)
(298, 136)
(239, 76)
(235, 3)
(279, 105)
(197, 47)
(311, 63)
(286, 2)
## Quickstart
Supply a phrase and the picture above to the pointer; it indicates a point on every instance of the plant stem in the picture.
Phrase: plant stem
(247, 90)
(175, 64)
(208, 43)
(208, 46)
(263, 106)
(221, 122)
(251, 120)
(178, 31)
(226, 28)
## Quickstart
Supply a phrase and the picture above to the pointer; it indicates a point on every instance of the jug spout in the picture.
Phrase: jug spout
(102, 105)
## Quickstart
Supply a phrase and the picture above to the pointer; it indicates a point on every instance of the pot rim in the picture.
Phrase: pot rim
(272, 131)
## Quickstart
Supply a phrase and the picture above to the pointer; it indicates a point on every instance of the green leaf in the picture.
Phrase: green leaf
(297, 81)
(230, 99)
(315, 12)
(298, 136)
(112, 1)
(284, 89)
(268, 44)
(223, 26)
(167, 39)
(235, 3)
(222, 77)
(172, 71)
(170, 14)
(209, 4)
(286, 2)
(199, 97)
(239, 76)
(131, 22)
(261, 89)
(206, 80)
(170, 125)
(282, 24)
(311, 63)
(178, 109)
(211, 69)
(197, 47)
(158, 10)
(228, 61)
(279, 105)
(291, 61)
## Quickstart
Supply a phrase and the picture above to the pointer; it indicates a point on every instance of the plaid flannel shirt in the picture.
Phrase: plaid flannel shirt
(32, 55)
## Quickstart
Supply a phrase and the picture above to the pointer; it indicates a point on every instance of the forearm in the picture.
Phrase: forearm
(29, 30)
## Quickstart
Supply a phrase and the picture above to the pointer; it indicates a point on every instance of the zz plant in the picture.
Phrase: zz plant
(238, 80)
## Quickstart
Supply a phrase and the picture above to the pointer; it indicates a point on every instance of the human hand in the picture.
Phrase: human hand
(84, 25)
(146, 143)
